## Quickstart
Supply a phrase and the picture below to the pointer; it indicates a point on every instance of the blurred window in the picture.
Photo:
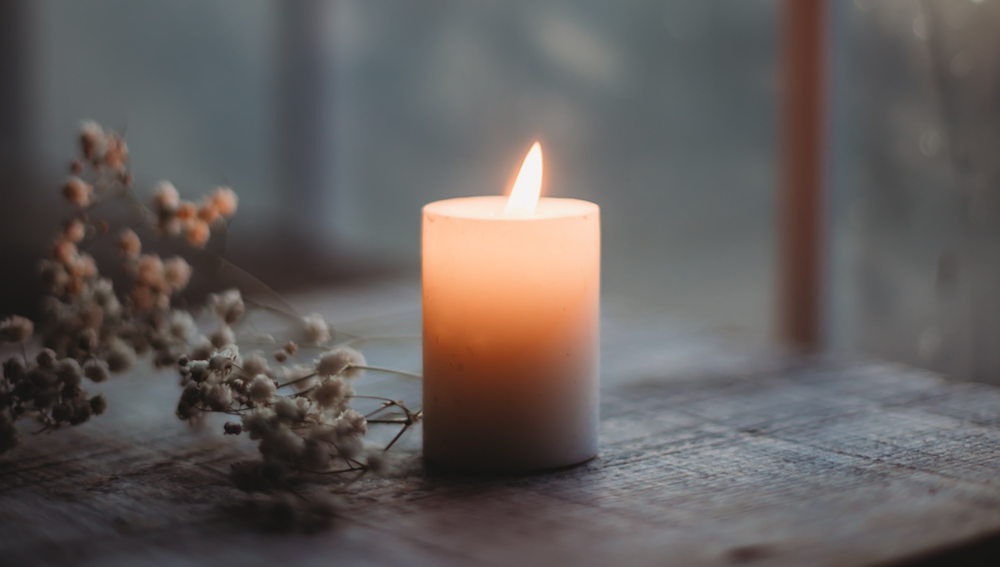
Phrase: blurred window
(916, 200)
(340, 119)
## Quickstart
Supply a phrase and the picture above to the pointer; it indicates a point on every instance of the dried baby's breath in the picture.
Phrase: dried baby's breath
(299, 414)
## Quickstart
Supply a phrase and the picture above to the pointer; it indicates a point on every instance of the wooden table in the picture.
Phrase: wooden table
(713, 453)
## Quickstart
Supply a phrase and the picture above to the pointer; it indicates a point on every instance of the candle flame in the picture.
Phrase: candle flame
(524, 197)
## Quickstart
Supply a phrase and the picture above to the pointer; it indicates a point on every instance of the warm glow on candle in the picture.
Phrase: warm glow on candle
(524, 197)
(511, 333)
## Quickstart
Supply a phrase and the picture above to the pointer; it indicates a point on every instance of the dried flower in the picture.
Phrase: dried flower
(201, 349)
(376, 462)
(87, 339)
(96, 370)
(339, 360)
(208, 212)
(81, 411)
(255, 364)
(64, 251)
(165, 197)
(351, 422)
(315, 455)
(168, 225)
(120, 357)
(15, 369)
(74, 231)
(149, 271)
(332, 393)
(225, 201)
(220, 363)
(186, 211)
(16, 329)
(316, 328)
(199, 371)
(46, 358)
(92, 141)
(143, 298)
(54, 276)
(129, 244)
(68, 371)
(82, 266)
(177, 273)
(98, 404)
(87, 332)
(259, 423)
(281, 444)
(228, 305)
(78, 192)
(181, 325)
(222, 336)
(218, 397)
(116, 152)
(349, 447)
(262, 389)
(198, 233)
(287, 410)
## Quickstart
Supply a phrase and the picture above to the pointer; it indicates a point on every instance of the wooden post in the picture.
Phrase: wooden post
(800, 198)
(20, 240)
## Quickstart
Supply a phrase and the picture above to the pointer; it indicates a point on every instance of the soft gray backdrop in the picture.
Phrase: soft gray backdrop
(336, 121)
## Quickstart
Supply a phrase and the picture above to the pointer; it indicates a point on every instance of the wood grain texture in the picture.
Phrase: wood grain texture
(712, 454)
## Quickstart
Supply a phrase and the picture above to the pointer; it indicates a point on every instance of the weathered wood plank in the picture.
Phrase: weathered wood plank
(712, 454)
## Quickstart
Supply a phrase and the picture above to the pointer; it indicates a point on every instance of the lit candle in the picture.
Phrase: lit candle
(511, 328)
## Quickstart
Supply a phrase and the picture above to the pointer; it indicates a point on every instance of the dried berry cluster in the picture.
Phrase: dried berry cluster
(312, 428)
(299, 412)
(87, 328)
(48, 388)
(177, 217)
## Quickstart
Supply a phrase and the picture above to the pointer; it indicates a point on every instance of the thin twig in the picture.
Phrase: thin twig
(388, 370)
(303, 392)
(384, 406)
(273, 309)
(297, 380)
(402, 430)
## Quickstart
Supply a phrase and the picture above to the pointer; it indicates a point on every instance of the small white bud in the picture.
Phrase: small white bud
(316, 328)
(262, 389)
(339, 360)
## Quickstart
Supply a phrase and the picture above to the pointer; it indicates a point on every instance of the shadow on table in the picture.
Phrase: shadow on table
(983, 552)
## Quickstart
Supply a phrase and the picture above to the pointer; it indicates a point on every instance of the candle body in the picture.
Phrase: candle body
(511, 334)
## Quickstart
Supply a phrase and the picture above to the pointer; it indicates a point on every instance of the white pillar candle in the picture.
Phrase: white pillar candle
(511, 329)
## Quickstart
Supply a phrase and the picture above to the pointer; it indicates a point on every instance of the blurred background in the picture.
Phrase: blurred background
(336, 121)
(914, 269)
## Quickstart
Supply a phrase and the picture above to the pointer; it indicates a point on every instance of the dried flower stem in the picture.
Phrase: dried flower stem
(298, 380)
(388, 370)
